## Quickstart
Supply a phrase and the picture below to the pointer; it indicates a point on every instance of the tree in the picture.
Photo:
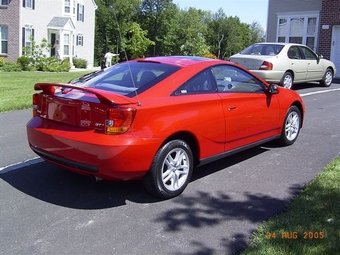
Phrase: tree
(158, 17)
(191, 33)
(256, 33)
(113, 21)
(137, 42)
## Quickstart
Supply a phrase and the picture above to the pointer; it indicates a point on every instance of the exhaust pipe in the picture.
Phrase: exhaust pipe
(95, 178)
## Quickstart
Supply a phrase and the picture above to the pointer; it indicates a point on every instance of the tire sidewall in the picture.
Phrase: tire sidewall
(323, 82)
(283, 79)
(157, 167)
(284, 139)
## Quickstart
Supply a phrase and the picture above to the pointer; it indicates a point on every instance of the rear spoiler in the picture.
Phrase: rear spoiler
(103, 96)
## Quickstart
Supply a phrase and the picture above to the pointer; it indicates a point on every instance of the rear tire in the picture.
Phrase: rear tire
(327, 79)
(170, 171)
(287, 80)
(291, 126)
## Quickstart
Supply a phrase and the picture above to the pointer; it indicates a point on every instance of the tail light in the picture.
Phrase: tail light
(35, 102)
(266, 66)
(119, 120)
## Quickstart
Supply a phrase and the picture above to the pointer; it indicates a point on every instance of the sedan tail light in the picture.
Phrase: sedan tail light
(35, 102)
(266, 66)
(119, 120)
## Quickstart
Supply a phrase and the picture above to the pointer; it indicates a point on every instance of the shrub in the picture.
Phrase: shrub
(10, 67)
(53, 64)
(2, 61)
(79, 62)
(25, 63)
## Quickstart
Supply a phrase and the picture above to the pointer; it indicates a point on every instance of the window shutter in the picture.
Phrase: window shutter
(23, 39)
(24, 3)
(77, 40)
(33, 4)
(33, 34)
(77, 12)
(83, 13)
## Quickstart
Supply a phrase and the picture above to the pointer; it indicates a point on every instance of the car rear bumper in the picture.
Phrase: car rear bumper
(112, 157)
(269, 76)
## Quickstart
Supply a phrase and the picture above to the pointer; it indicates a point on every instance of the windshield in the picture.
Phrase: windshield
(262, 49)
(127, 78)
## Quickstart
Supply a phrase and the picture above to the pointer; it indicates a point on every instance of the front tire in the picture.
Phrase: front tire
(170, 171)
(327, 79)
(287, 80)
(291, 126)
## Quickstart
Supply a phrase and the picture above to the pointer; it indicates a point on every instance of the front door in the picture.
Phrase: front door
(53, 38)
(335, 49)
(251, 114)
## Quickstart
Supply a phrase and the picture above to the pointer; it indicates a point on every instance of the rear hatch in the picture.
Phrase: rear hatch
(81, 106)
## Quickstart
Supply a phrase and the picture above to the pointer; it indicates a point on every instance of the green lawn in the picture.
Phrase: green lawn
(311, 223)
(16, 88)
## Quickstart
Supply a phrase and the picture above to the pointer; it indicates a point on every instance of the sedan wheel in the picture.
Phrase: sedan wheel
(170, 171)
(327, 78)
(291, 126)
(287, 80)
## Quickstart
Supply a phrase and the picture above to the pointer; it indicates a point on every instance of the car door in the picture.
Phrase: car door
(251, 114)
(314, 65)
(297, 63)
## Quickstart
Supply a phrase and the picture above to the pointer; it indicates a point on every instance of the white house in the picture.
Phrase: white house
(71, 23)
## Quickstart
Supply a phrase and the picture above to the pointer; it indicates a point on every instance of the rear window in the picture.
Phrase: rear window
(262, 49)
(127, 78)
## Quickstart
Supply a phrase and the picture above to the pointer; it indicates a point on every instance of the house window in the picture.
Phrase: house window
(28, 4)
(67, 5)
(80, 12)
(298, 29)
(28, 35)
(3, 39)
(4, 2)
(80, 40)
(66, 44)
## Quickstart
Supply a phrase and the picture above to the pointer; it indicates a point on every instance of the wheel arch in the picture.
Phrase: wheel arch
(332, 69)
(300, 107)
(190, 139)
(290, 71)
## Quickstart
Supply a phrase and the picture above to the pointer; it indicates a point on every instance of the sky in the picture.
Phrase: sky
(247, 10)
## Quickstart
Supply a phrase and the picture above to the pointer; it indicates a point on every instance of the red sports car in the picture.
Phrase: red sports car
(157, 118)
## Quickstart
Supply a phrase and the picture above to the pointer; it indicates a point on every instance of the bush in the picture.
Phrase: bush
(10, 67)
(57, 65)
(2, 61)
(25, 63)
(79, 62)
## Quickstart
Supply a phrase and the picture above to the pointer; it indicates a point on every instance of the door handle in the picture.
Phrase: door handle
(231, 107)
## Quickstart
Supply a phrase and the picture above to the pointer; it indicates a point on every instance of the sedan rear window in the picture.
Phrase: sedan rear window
(262, 49)
(127, 78)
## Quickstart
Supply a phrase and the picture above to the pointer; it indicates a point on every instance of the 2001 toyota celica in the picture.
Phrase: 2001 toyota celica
(157, 118)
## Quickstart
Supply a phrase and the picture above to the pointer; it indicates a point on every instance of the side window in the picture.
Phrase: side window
(294, 53)
(233, 79)
(308, 53)
(202, 82)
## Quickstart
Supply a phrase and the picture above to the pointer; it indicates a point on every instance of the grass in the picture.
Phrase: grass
(16, 88)
(311, 223)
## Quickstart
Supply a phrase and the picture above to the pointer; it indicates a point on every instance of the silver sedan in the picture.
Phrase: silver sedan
(286, 64)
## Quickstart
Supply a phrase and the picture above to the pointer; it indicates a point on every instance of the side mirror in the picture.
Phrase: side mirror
(273, 89)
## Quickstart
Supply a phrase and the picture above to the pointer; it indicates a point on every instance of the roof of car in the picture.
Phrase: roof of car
(280, 43)
(177, 60)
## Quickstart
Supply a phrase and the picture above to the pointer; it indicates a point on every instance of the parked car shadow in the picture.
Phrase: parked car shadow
(54, 185)
(300, 86)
